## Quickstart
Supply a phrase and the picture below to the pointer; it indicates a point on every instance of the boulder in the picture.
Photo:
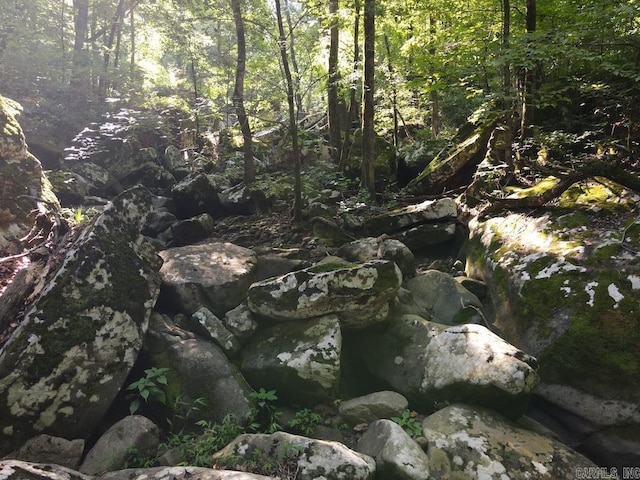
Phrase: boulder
(471, 442)
(358, 293)
(114, 447)
(23, 182)
(438, 297)
(68, 359)
(158, 221)
(431, 363)
(181, 473)
(394, 221)
(366, 249)
(207, 325)
(21, 470)
(372, 407)
(565, 289)
(47, 449)
(240, 321)
(243, 200)
(398, 456)
(300, 360)
(312, 459)
(198, 370)
(195, 195)
(192, 230)
(213, 275)
(425, 236)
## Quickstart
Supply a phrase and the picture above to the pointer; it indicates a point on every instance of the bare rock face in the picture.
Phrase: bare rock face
(66, 362)
(22, 182)
(214, 275)
(431, 363)
(404, 218)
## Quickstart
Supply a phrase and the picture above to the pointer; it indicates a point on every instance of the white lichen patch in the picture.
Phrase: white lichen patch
(287, 283)
(561, 266)
(615, 294)
(99, 277)
(590, 289)
(635, 282)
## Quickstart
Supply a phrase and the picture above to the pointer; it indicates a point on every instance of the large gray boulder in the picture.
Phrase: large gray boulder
(195, 195)
(398, 456)
(565, 289)
(438, 297)
(214, 275)
(68, 359)
(301, 360)
(113, 448)
(182, 473)
(358, 293)
(21, 470)
(370, 248)
(394, 221)
(471, 442)
(47, 449)
(313, 459)
(372, 407)
(431, 363)
(198, 369)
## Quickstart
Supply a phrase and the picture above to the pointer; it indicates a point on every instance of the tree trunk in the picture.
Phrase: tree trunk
(335, 140)
(293, 124)
(132, 59)
(506, 68)
(103, 84)
(354, 109)
(367, 179)
(527, 81)
(294, 61)
(79, 76)
(435, 100)
(394, 92)
(238, 95)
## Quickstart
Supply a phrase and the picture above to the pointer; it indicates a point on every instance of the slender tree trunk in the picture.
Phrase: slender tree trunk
(354, 109)
(132, 30)
(103, 85)
(79, 83)
(196, 93)
(293, 124)
(435, 100)
(394, 91)
(294, 61)
(367, 179)
(238, 95)
(335, 140)
(527, 82)
(506, 68)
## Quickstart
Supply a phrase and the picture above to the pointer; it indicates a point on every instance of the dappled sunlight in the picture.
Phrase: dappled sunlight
(525, 234)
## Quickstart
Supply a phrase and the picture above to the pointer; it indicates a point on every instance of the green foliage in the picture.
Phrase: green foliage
(408, 421)
(282, 465)
(148, 389)
(305, 421)
(266, 415)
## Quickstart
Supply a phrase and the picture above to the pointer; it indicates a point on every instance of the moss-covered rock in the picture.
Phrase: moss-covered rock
(471, 442)
(22, 182)
(66, 362)
(410, 216)
(565, 287)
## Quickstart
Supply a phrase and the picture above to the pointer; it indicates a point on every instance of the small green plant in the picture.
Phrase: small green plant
(305, 421)
(78, 216)
(148, 389)
(408, 421)
(266, 415)
(183, 412)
